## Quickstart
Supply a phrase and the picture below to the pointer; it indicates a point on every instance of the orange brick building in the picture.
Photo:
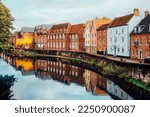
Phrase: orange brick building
(59, 37)
(140, 39)
(41, 37)
(76, 38)
(102, 39)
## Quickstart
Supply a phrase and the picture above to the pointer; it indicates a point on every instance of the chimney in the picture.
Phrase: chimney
(146, 13)
(136, 12)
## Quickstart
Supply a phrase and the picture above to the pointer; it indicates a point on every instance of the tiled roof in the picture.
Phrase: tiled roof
(98, 22)
(103, 27)
(120, 21)
(76, 28)
(60, 26)
(44, 26)
(27, 29)
(144, 25)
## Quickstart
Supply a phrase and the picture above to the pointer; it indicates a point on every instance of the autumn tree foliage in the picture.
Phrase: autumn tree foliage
(6, 26)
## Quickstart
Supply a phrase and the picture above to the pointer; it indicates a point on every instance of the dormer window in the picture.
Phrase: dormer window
(139, 29)
(135, 30)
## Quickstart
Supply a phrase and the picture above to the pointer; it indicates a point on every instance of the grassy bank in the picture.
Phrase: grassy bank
(108, 69)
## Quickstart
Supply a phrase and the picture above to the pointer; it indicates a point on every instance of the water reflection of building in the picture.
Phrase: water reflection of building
(116, 91)
(58, 71)
(95, 83)
(26, 66)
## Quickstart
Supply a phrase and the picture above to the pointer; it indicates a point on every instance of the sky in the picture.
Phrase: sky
(35, 12)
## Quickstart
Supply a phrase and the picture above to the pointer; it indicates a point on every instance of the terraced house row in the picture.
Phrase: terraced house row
(125, 36)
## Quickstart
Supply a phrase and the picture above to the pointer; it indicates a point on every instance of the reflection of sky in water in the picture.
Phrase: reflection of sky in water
(30, 87)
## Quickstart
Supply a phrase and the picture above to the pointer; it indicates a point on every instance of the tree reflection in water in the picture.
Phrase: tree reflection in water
(6, 82)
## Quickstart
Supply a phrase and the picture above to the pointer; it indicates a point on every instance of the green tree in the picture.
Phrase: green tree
(6, 25)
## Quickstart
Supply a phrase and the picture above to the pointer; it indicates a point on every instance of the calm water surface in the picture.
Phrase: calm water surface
(45, 79)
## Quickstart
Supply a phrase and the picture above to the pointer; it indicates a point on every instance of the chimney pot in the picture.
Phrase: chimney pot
(136, 12)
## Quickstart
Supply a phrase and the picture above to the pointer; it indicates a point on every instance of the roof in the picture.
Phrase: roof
(76, 28)
(60, 26)
(44, 26)
(121, 21)
(103, 27)
(100, 21)
(27, 29)
(145, 26)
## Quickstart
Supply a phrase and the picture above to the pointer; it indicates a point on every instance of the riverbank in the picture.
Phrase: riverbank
(104, 66)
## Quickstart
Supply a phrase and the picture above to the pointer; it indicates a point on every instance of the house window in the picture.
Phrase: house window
(110, 39)
(136, 52)
(118, 49)
(115, 39)
(122, 30)
(132, 52)
(147, 41)
(76, 36)
(122, 50)
(63, 36)
(116, 31)
(147, 53)
(123, 39)
(60, 36)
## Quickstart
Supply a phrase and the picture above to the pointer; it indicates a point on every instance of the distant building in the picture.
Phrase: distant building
(140, 39)
(41, 37)
(91, 40)
(102, 39)
(76, 38)
(59, 37)
(118, 35)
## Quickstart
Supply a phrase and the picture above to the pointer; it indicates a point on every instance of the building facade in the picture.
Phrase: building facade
(118, 35)
(102, 39)
(59, 37)
(76, 38)
(140, 39)
(91, 33)
(87, 36)
(41, 37)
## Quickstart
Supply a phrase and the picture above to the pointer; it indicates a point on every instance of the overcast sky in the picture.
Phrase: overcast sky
(34, 12)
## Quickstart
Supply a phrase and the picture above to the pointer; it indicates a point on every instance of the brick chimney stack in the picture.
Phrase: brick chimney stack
(136, 12)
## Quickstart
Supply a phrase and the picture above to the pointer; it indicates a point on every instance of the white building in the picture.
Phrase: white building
(118, 36)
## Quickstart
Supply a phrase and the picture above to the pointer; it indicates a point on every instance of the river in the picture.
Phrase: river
(38, 79)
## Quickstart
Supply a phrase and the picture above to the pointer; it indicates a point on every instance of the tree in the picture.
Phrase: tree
(6, 26)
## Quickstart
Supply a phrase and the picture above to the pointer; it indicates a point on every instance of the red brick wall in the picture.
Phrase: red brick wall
(102, 40)
(143, 46)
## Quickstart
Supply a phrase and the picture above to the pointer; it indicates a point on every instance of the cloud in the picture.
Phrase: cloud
(33, 12)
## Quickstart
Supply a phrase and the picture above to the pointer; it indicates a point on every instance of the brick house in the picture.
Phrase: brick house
(96, 23)
(59, 37)
(76, 38)
(140, 39)
(41, 37)
(102, 39)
